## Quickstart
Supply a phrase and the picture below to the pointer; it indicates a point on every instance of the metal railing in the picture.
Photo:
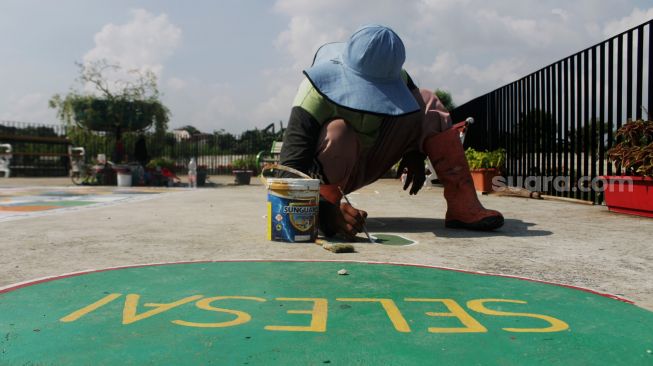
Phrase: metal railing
(42, 150)
(557, 123)
(37, 149)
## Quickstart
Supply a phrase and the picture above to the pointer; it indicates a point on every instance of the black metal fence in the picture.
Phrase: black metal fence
(36, 149)
(42, 150)
(557, 123)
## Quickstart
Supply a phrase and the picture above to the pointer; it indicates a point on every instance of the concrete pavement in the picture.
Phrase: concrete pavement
(575, 244)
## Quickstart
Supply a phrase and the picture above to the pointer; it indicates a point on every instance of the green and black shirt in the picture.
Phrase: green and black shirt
(310, 111)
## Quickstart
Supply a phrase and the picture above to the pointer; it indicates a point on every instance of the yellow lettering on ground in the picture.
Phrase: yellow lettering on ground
(87, 309)
(471, 325)
(556, 324)
(398, 320)
(205, 304)
(131, 304)
(318, 316)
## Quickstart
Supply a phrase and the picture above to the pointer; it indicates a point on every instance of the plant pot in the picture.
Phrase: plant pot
(243, 177)
(634, 198)
(123, 175)
(483, 178)
(105, 175)
(201, 178)
(124, 179)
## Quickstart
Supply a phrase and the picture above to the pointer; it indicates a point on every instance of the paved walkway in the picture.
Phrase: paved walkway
(561, 242)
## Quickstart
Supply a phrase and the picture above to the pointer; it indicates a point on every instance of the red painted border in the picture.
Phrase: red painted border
(75, 274)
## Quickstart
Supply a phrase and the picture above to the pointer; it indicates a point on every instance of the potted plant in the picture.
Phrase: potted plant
(243, 169)
(632, 193)
(160, 172)
(484, 166)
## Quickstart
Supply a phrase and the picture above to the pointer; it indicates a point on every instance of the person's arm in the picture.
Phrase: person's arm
(300, 141)
(412, 163)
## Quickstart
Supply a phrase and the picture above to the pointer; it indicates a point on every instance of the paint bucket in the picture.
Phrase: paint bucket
(293, 205)
(124, 179)
(124, 175)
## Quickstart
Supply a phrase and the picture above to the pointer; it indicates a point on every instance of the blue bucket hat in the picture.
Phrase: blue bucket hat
(364, 74)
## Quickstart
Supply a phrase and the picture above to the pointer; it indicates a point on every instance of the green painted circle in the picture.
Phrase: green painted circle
(304, 313)
(392, 239)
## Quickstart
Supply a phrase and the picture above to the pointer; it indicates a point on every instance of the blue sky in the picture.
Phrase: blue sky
(235, 65)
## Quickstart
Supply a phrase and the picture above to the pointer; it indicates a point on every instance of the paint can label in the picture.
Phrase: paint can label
(292, 213)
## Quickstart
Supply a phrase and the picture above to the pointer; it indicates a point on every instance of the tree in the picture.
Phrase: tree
(224, 140)
(446, 99)
(113, 106)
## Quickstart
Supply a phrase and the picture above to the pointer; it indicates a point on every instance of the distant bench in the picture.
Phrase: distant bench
(271, 157)
(5, 158)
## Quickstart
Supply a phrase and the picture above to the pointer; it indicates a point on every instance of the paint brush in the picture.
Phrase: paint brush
(364, 227)
(336, 247)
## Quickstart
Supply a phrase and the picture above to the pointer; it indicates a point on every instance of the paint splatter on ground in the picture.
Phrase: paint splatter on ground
(384, 239)
(19, 203)
(393, 239)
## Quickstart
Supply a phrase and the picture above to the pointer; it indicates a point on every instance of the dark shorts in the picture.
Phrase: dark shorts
(345, 163)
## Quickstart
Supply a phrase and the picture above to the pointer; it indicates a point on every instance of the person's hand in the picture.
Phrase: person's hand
(412, 163)
(345, 220)
(350, 221)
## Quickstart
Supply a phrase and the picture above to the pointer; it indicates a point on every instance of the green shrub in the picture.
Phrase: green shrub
(634, 152)
(485, 159)
(161, 163)
(246, 163)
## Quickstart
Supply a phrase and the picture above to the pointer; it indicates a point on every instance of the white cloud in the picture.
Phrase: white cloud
(563, 14)
(456, 45)
(635, 18)
(144, 42)
(499, 72)
(31, 107)
(175, 83)
(464, 80)
(303, 36)
(208, 107)
(469, 47)
(220, 107)
(280, 88)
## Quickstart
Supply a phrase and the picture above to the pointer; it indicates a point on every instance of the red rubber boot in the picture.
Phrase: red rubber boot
(331, 192)
(464, 210)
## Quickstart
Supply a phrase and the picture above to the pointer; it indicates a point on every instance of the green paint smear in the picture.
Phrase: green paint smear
(71, 203)
(390, 239)
(385, 239)
(602, 331)
(63, 194)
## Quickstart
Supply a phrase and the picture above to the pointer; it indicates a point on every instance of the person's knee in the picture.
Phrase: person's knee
(338, 136)
(338, 150)
(339, 132)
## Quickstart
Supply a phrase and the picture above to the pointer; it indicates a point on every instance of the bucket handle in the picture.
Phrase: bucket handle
(284, 168)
